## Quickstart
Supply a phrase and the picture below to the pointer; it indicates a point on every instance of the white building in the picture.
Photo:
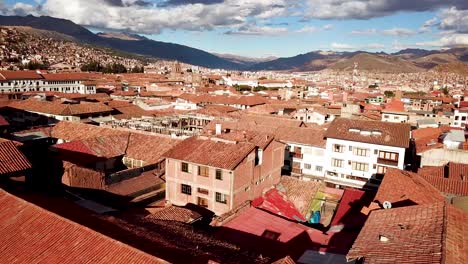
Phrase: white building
(305, 151)
(395, 117)
(241, 82)
(30, 81)
(460, 118)
(359, 152)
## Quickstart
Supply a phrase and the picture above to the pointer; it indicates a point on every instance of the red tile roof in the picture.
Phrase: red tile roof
(175, 213)
(212, 153)
(59, 108)
(30, 234)
(11, 159)
(313, 136)
(429, 233)
(392, 134)
(403, 188)
(19, 75)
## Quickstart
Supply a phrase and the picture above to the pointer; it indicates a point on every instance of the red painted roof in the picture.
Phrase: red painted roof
(3, 121)
(250, 228)
(348, 212)
(276, 202)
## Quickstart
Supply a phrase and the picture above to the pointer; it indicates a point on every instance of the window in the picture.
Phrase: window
(456, 117)
(307, 166)
(381, 170)
(361, 152)
(386, 116)
(185, 167)
(187, 189)
(318, 168)
(358, 166)
(203, 171)
(203, 191)
(271, 234)
(221, 198)
(219, 174)
(388, 155)
(338, 148)
(337, 163)
(396, 117)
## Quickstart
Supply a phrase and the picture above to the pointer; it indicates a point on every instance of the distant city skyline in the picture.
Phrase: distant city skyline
(261, 28)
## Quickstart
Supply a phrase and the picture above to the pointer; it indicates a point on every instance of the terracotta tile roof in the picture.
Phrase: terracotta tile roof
(50, 238)
(447, 186)
(430, 233)
(452, 170)
(272, 121)
(394, 106)
(211, 153)
(20, 75)
(102, 147)
(134, 186)
(224, 100)
(129, 111)
(175, 213)
(11, 158)
(67, 131)
(308, 136)
(300, 193)
(261, 140)
(59, 108)
(150, 148)
(391, 134)
(403, 187)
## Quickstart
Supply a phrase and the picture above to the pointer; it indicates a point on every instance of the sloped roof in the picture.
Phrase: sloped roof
(11, 159)
(59, 108)
(391, 134)
(428, 233)
(313, 136)
(211, 153)
(30, 234)
(406, 187)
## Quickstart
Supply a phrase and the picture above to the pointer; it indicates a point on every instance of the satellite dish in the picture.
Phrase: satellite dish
(387, 205)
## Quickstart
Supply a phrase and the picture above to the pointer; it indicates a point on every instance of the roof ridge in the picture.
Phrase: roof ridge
(444, 233)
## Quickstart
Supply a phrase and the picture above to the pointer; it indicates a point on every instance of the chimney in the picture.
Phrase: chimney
(218, 129)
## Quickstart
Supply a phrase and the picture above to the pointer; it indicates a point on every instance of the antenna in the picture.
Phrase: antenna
(387, 205)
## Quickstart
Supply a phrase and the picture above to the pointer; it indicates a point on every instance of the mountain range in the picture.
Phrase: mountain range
(408, 60)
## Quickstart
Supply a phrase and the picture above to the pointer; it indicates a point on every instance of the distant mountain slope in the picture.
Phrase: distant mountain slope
(157, 49)
(245, 61)
(454, 67)
(302, 62)
(435, 59)
(373, 62)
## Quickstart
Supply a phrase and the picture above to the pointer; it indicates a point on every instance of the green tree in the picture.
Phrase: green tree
(389, 94)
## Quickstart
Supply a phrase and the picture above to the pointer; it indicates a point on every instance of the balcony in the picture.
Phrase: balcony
(297, 155)
(296, 171)
(387, 162)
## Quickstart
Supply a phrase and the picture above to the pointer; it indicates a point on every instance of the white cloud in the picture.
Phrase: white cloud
(454, 19)
(400, 32)
(254, 30)
(328, 27)
(308, 29)
(365, 9)
(344, 46)
(446, 41)
(150, 19)
(369, 31)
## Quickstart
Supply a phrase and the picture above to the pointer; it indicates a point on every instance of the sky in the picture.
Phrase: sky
(262, 28)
